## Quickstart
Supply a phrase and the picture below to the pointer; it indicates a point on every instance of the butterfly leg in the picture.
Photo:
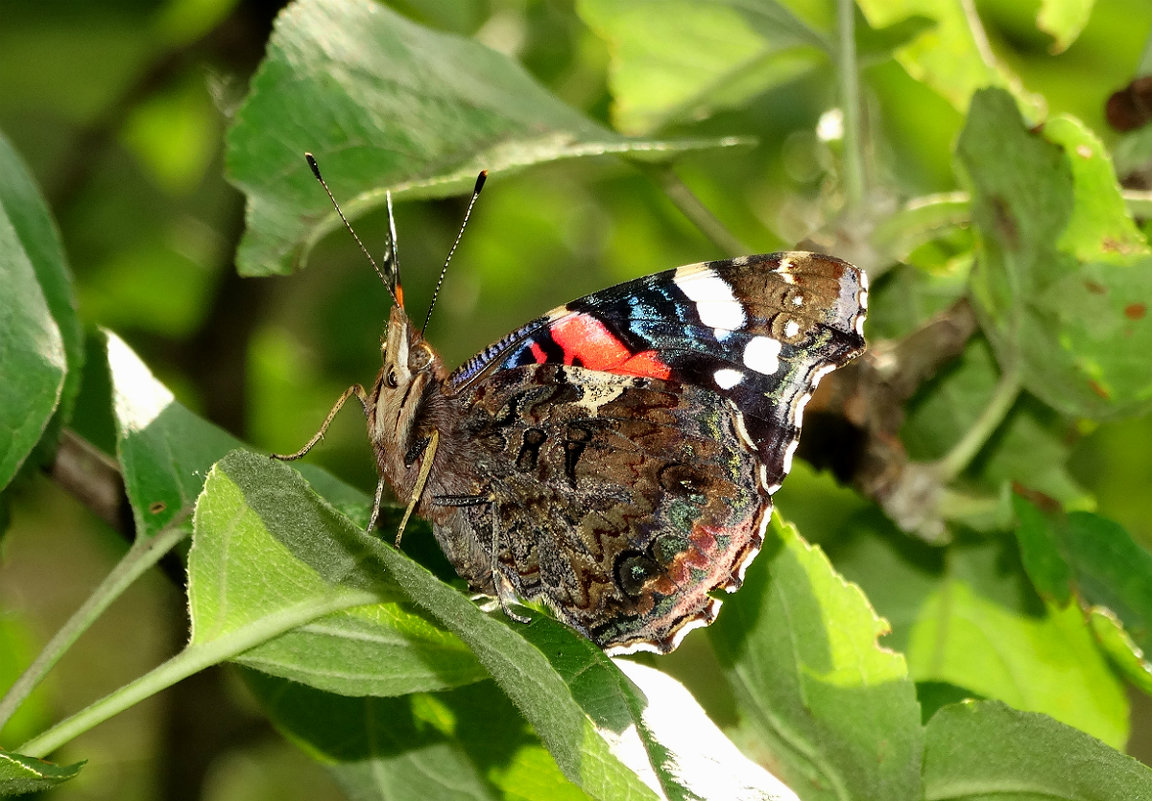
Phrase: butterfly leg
(361, 396)
(504, 592)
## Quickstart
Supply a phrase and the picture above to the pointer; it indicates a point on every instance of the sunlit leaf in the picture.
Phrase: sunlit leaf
(835, 712)
(266, 545)
(966, 616)
(165, 450)
(952, 55)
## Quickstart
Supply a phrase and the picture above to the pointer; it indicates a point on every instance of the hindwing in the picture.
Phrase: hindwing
(621, 501)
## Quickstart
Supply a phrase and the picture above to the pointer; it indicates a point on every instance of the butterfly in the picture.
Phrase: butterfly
(616, 457)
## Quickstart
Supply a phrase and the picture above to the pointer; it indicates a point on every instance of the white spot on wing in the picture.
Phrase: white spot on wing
(598, 393)
(789, 452)
(768, 488)
(716, 306)
(791, 328)
(798, 415)
(762, 354)
(743, 431)
(726, 377)
(742, 568)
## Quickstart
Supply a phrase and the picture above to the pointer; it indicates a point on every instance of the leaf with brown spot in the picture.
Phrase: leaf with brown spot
(1062, 271)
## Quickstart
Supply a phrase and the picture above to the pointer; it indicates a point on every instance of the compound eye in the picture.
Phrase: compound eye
(391, 378)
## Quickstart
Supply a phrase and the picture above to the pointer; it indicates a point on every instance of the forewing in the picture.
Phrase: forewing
(759, 331)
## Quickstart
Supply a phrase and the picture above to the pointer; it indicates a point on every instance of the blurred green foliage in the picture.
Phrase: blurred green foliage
(120, 111)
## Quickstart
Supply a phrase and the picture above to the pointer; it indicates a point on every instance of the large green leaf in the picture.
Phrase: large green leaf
(385, 103)
(35, 364)
(987, 750)
(266, 545)
(24, 207)
(835, 711)
(1063, 277)
(966, 616)
(21, 774)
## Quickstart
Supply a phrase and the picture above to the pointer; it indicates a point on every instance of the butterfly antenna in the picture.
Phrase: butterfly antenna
(390, 258)
(480, 179)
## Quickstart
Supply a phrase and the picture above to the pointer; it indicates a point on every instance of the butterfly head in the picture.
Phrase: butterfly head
(402, 397)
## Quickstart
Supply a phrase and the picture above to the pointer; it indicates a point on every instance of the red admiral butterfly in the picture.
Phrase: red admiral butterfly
(616, 457)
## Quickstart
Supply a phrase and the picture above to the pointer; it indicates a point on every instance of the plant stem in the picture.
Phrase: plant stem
(691, 207)
(192, 659)
(962, 453)
(143, 554)
(919, 221)
(850, 105)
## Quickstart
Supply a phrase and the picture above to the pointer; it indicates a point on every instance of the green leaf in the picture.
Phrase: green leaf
(678, 60)
(985, 750)
(1046, 567)
(34, 361)
(165, 450)
(1109, 573)
(22, 774)
(966, 616)
(384, 102)
(836, 712)
(26, 209)
(951, 56)
(318, 554)
(264, 545)
(1063, 277)
(1124, 653)
(467, 743)
(1035, 657)
(1064, 19)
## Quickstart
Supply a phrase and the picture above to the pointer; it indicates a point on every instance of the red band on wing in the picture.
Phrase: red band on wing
(538, 353)
(584, 338)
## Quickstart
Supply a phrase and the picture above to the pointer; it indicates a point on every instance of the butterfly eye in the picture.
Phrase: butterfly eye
(391, 379)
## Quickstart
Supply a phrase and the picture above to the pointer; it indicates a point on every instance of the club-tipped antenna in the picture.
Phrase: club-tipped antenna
(390, 258)
(480, 179)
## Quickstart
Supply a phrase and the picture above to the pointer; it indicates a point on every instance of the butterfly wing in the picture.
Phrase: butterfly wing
(626, 446)
(622, 501)
(760, 331)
